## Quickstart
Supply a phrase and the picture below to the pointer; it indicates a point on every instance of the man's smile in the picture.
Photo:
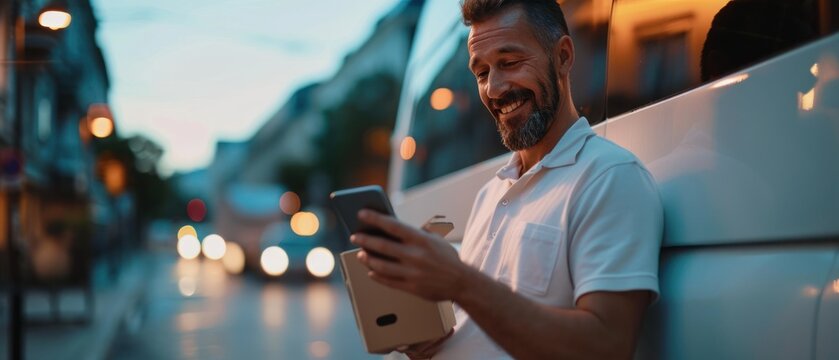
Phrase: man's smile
(512, 107)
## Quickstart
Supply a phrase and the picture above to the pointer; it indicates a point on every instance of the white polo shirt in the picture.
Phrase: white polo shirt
(586, 218)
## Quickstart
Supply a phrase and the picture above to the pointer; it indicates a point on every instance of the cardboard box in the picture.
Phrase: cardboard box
(389, 318)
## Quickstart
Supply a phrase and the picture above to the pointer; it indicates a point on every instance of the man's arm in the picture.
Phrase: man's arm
(603, 324)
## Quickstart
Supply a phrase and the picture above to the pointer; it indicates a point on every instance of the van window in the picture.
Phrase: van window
(451, 129)
(659, 48)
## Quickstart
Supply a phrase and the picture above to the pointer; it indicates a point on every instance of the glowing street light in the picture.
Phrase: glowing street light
(99, 120)
(305, 223)
(55, 18)
(101, 127)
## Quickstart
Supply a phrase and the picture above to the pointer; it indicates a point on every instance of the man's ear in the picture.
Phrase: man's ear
(565, 54)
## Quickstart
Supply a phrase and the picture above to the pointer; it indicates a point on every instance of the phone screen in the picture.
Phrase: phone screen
(349, 202)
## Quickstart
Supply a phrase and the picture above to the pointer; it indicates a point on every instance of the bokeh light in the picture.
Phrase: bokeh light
(319, 349)
(320, 262)
(55, 20)
(189, 247)
(101, 127)
(807, 100)
(187, 268)
(113, 174)
(441, 99)
(305, 223)
(408, 148)
(377, 141)
(321, 304)
(275, 305)
(196, 210)
(187, 230)
(187, 286)
(290, 203)
(810, 291)
(213, 247)
(815, 69)
(234, 258)
(274, 261)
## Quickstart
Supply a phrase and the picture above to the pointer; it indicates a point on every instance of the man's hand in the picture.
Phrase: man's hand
(424, 264)
(425, 350)
(603, 325)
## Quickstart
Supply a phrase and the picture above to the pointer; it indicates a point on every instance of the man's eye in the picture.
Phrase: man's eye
(510, 63)
(481, 75)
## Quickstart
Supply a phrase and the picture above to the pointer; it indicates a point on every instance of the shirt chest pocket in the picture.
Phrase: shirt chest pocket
(530, 255)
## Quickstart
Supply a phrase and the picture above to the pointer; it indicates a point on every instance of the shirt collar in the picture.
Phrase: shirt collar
(563, 154)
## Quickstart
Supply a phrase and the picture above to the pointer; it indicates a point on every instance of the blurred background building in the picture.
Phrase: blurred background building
(64, 210)
(328, 135)
(73, 193)
(80, 202)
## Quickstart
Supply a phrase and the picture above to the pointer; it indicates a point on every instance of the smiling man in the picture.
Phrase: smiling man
(560, 254)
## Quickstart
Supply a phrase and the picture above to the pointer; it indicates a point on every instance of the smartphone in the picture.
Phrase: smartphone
(348, 202)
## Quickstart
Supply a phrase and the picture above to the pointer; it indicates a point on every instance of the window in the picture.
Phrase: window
(451, 127)
(659, 48)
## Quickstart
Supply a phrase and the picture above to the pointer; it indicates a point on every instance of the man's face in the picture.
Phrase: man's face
(517, 80)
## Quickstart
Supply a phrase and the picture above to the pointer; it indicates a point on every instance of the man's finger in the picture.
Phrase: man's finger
(384, 267)
(389, 282)
(388, 247)
(389, 225)
(380, 245)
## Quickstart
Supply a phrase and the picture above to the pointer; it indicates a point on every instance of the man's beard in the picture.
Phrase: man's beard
(538, 121)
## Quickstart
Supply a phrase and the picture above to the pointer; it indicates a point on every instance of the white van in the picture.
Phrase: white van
(734, 108)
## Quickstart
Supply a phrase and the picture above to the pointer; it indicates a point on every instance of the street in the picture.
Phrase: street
(193, 309)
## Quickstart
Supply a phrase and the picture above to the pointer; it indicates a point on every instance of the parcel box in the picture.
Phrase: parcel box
(388, 318)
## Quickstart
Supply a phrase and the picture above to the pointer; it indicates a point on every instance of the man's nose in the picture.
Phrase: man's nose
(497, 85)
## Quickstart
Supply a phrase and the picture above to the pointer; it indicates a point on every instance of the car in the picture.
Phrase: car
(287, 254)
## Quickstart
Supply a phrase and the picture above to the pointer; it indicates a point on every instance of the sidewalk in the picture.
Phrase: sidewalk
(113, 300)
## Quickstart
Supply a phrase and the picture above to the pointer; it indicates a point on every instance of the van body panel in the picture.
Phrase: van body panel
(737, 302)
(827, 321)
(742, 159)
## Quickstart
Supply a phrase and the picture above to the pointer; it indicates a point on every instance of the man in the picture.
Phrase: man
(559, 257)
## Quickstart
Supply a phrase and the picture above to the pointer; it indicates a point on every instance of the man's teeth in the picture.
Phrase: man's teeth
(509, 108)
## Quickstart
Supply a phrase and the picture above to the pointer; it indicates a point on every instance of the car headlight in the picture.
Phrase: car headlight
(320, 262)
(274, 261)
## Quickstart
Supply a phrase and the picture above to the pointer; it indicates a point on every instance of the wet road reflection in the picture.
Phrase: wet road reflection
(194, 309)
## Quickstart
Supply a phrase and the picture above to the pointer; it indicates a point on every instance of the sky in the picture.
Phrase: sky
(188, 73)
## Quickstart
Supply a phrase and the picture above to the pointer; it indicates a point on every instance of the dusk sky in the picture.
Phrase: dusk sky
(187, 73)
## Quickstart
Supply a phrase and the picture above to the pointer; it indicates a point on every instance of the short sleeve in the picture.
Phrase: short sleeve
(615, 230)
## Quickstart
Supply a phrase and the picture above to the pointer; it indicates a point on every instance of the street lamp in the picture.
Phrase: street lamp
(101, 127)
(99, 121)
(55, 16)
